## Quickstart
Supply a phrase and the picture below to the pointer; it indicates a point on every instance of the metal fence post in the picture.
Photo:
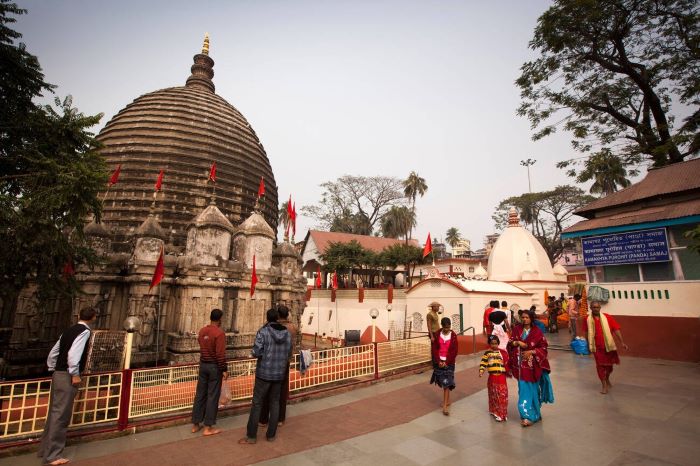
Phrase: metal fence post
(125, 400)
(376, 361)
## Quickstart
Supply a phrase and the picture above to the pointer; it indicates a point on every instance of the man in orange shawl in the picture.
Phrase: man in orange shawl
(600, 328)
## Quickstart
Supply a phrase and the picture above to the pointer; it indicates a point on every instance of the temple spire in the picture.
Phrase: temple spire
(205, 46)
(202, 70)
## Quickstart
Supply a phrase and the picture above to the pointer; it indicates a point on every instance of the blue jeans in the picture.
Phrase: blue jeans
(270, 390)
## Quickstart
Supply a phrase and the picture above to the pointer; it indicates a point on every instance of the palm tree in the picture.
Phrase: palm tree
(397, 222)
(453, 237)
(414, 186)
(607, 172)
(284, 218)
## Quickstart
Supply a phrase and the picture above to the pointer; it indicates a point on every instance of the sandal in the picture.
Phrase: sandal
(247, 441)
(525, 423)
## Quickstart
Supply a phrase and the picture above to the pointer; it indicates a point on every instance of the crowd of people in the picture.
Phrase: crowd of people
(517, 348)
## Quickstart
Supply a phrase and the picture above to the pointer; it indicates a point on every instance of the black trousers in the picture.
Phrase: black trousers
(284, 396)
(206, 399)
(264, 389)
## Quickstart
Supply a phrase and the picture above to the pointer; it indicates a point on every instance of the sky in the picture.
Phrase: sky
(331, 88)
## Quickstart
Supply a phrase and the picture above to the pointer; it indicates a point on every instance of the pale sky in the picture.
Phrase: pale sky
(331, 88)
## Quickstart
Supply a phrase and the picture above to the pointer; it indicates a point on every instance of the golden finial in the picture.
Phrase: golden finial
(205, 47)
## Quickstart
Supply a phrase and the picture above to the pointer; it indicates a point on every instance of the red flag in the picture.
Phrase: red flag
(115, 175)
(261, 188)
(212, 172)
(253, 279)
(68, 270)
(289, 215)
(318, 277)
(335, 280)
(159, 181)
(159, 271)
(294, 219)
(428, 248)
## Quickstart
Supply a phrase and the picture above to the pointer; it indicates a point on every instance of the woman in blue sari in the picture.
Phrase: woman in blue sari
(529, 365)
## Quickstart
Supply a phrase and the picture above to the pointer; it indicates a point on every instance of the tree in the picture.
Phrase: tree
(617, 74)
(50, 175)
(403, 254)
(453, 237)
(607, 172)
(548, 213)
(348, 257)
(414, 186)
(398, 222)
(284, 219)
(354, 204)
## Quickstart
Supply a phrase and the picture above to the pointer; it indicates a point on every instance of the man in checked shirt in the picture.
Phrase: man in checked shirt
(212, 369)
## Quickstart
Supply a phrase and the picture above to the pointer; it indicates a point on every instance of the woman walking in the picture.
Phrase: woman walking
(529, 364)
(444, 349)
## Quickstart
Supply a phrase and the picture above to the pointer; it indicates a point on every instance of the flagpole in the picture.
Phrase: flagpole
(158, 322)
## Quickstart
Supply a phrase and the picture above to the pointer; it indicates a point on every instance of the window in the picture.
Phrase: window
(471, 269)
(689, 260)
(657, 271)
(621, 273)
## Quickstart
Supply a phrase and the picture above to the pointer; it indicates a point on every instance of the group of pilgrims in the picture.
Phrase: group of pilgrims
(517, 347)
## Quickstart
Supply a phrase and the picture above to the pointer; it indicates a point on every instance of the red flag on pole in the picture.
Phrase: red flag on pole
(253, 279)
(289, 215)
(212, 172)
(68, 270)
(335, 280)
(159, 271)
(428, 248)
(115, 175)
(261, 188)
(318, 277)
(159, 181)
(294, 219)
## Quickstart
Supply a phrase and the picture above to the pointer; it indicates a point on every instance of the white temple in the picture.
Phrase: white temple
(518, 272)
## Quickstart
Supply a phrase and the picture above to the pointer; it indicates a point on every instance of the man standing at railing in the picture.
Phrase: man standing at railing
(67, 361)
(212, 369)
(283, 314)
(271, 348)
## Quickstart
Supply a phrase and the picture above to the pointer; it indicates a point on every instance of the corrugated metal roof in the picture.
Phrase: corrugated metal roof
(649, 214)
(671, 179)
(322, 240)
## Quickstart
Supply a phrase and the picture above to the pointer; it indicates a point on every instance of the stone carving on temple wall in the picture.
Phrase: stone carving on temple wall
(149, 321)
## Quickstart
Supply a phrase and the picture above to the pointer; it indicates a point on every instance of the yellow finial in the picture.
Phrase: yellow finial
(205, 47)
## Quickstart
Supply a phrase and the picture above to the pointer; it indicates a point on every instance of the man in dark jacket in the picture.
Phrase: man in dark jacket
(272, 346)
(67, 361)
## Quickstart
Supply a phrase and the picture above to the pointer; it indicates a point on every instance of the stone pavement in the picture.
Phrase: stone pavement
(651, 416)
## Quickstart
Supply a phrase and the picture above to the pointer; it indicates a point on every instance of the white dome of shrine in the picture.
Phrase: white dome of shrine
(517, 255)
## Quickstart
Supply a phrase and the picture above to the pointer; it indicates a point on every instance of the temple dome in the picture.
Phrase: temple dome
(518, 252)
(182, 131)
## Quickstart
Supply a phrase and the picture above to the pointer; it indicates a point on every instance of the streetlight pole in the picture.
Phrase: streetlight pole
(527, 164)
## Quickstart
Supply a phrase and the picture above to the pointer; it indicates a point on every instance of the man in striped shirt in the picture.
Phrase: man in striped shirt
(212, 369)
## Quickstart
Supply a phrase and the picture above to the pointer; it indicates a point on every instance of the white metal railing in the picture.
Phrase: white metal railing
(397, 354)
(24, 404)
(332, 365)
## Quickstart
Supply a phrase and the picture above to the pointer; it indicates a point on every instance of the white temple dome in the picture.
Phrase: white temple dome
(516, 253)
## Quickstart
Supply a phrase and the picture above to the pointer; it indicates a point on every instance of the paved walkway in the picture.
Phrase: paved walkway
(651, 416)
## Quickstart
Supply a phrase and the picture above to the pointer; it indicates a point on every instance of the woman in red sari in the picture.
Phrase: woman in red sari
(528, 363)
(600, 329)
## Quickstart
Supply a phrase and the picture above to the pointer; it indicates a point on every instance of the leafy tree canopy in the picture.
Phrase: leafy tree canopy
(545, 213)
(354, 204)
(397, 222)
(50, 174)
(453, 236)
(619, 75)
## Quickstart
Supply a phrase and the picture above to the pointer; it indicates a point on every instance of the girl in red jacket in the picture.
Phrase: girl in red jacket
(444, 349)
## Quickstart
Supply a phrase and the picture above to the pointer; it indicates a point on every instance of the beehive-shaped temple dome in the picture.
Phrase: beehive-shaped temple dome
(182, 131)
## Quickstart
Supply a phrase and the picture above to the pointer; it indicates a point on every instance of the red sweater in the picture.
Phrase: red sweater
(212, 345)
(451, 351)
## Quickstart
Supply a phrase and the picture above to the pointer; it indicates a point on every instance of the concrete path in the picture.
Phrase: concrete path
(651, 416)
